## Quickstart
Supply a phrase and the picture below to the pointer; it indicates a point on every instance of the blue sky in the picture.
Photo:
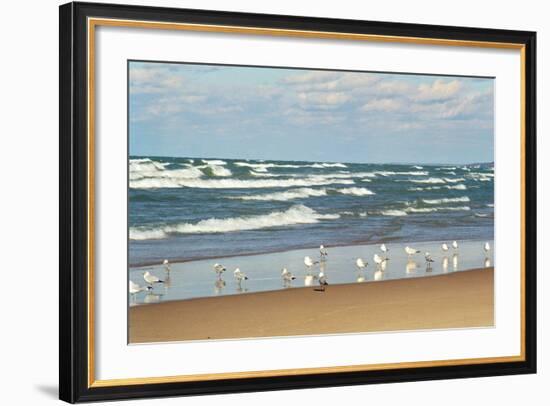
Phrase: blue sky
(291, 114)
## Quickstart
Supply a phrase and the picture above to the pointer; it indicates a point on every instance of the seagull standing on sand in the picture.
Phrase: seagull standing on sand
(429, 260)
(323, 252)
(486, 248)
(322, 281)
(239, 275)
(455, 245)
(166, 265)
(219, 269)
(134, 288)
(444, 247)
(360, 264)
(150, 278)
(411, 251)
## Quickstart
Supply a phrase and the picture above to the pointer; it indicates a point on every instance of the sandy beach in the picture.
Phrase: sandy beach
(455, 300)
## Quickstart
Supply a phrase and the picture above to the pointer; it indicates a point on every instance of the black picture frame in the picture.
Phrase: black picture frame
(74, 385)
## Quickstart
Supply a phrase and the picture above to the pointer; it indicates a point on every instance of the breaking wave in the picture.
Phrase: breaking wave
(303, 193)
(298, 214)
(447, 200)
(155, 183)
(460, 186)
(355, 191)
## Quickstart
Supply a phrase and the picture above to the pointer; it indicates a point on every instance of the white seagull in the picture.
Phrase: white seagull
(135, 288)
(445, 247)
(323, 251)
(384, 249)
(287, 276)
(219, 269)
(378, 260)
(166, 265)
(322, 281)
(239, 275)
(486, 248)
(429, 260)
(150, 278)
(308, 262)
(411, 251)
(455, 245)
(359, 263)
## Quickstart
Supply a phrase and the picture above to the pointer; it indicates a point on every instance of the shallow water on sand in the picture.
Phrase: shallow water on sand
(196, 279)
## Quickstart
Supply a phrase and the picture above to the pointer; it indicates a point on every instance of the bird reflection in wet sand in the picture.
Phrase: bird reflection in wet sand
(152, 298)
(378, 275)
(487, 263)
(240, 289)
(218, 286)
(361, 277)
(445, 264)
(455, 262)
(167, 282)
(411, 266)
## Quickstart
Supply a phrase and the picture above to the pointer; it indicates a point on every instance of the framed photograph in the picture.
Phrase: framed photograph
(256, 202)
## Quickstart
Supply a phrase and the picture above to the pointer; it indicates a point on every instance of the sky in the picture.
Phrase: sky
(215, 111)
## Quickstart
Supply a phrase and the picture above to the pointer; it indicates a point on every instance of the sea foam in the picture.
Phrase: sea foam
(298, 214)
(152, 183)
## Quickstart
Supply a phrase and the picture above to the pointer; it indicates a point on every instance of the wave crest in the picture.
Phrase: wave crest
(298, 214)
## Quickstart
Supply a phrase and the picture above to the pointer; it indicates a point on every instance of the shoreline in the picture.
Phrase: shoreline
(456, 300)
(357, 243)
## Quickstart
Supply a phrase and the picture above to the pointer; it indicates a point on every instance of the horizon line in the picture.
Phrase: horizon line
(316, 161)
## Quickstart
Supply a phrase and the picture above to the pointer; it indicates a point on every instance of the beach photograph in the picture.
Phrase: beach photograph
(276, 202)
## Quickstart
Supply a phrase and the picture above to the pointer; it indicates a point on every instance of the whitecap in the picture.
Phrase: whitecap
(152, 183)
(213, 162)
(355, 191)
(393, 213)
(291, 194)
(454, 180)
(447, 200)
(428, 180)
(298, 214)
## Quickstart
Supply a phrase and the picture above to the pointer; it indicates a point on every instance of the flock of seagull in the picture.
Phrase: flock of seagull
(287, 277)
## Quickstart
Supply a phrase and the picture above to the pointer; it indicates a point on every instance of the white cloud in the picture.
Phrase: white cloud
(323, 100)
(438, 90)
(154, 79)
(383, 105)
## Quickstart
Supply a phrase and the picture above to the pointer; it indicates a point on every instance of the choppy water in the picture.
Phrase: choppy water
(192, 208)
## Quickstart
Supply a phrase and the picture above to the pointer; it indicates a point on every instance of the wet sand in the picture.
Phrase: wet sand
(456, 300)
